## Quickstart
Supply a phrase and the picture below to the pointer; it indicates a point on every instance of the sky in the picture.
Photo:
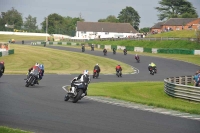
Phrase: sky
(90, 10)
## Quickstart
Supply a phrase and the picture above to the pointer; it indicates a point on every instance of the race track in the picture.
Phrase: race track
(41, 109)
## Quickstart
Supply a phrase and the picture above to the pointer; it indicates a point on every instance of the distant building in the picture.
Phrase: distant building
(91, 30)
(173, 24)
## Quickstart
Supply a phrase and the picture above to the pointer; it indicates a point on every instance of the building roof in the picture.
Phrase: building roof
(179, 21)
(105, 27)
(157, 25)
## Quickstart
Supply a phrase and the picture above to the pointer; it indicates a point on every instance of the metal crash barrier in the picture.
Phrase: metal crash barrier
(181, 87)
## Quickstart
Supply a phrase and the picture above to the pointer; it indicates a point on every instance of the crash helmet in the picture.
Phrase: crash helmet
(41, 66)
(2, 62)
(37, 64)
(97, 64)
(85, 72)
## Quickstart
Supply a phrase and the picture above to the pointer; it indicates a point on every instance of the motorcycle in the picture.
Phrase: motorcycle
(92, 48)
(119, 74)
(105, 53)
(77, 93)
(32, 77)
(1, 74)
(96, 74)
(138, 60)
(152, 71)
(114, 52)
(125, 52)
(83, 49)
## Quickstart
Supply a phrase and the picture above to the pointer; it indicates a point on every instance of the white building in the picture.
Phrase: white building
(92, 30)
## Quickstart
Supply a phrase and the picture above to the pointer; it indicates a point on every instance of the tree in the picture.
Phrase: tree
(61, 25)
(110, 18)
(30, 23)
(176, 9)
(55, 22)
(144, 30)
(11, 17)
(129, 15)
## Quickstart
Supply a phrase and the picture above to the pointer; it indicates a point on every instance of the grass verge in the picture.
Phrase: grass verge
(178, 33)
(180, 44)
(11, 130)
(56, 61)
(148, 93)
(6, 38)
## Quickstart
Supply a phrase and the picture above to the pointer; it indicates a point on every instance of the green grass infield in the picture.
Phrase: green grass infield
(11, 130)
(148, 93)
(57, 61)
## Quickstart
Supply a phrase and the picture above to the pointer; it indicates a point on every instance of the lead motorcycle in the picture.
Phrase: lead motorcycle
(75, 92)
(31, 79)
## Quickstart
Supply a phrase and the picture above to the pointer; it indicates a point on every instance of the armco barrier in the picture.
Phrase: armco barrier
(11, 51)
(176, 51)
(130, 48)
(178, 87)
(148, 50)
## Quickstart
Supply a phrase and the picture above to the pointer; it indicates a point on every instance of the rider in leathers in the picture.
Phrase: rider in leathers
(98, 69)
(84, 78)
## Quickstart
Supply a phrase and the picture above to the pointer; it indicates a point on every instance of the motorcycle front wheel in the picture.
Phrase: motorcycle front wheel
(78, 96)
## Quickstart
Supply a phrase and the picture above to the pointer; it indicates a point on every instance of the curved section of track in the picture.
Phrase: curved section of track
(42, 108)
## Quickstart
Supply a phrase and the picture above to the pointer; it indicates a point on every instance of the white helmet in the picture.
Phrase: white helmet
(85, 72)
(136, 55)
(37, 64)
(97, 64)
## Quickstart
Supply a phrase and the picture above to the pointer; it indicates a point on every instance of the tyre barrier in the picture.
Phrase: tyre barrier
(179, 87)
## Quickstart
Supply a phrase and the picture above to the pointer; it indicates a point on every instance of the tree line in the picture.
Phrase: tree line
(58, 24)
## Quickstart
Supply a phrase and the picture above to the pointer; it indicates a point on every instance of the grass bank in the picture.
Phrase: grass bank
(181, 44)
(11, 130)
(148, 93)
(56, 61)
(178, 33)
(6, 38)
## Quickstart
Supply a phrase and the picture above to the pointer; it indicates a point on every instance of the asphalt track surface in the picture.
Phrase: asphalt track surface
(41, 109)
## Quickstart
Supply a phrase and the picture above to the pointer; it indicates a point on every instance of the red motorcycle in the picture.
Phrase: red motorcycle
(95, 73)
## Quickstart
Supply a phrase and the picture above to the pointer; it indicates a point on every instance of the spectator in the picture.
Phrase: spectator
(195, 79)
(198, 81)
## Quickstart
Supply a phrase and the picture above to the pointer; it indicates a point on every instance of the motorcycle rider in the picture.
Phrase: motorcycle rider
(114, 50)
(37, 70)
(153, 66)
(97, 68)
(2, 68)
(137, 57)
(125, 51)
(104, 50)
(83, 47)
(119, 68)
(84, 78)
(92, 47)
(41, 66)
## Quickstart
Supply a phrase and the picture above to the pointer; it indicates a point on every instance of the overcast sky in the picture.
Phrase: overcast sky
(91, 10)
